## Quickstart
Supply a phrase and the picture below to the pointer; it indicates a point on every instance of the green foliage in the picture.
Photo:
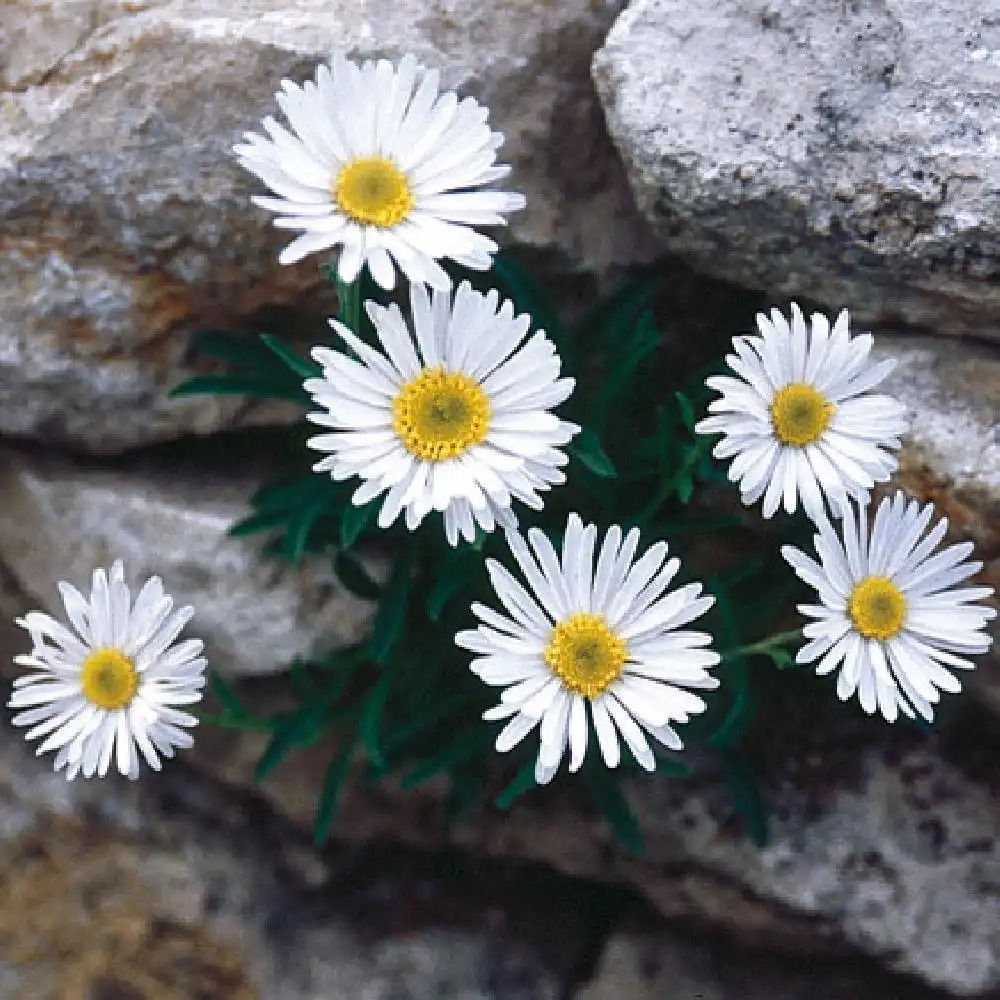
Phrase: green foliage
(403, 701)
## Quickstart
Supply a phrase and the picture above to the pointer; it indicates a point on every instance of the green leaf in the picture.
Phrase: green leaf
(297, 365)
(587, 448)
(355, 520)
(687, 410)
(391, 614)
(355, 577)
(238, 349)
(371, 714)
(238, 385)
(615, 809)
(523, 782)
(300, 524)
(333, 780)
(741, 711)
(257, 522)
(471, 743)
(226, 696)
(300, 728)
(456, 575)
(746, 795)
(782, 659)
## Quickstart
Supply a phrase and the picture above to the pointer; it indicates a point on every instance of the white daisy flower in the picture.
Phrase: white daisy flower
(891, 618)
(111, 686)
(800, 419)
(385, 166)
(453, 417)
(609, 637)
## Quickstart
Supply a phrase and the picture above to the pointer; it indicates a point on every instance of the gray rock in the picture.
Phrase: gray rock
(126, 221)
(846, 152)
(59, 520)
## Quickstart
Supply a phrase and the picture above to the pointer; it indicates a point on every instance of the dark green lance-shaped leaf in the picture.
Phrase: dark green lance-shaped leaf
(241, 350)
(746, 795)
(470, 744)
(354, 521)
(611, 320)
(299, 729)
(333, 780)
(285, 495)
(239, 385)
(257, 522)
(615, 809)
(300, 524)
(354, 577)
(295, 364)
(391, 614)
(686, 410)
(741, 711)
(586, 446)
(226, 696)
(522, 782)
(371, 716)
(622, 367)
(458, 572)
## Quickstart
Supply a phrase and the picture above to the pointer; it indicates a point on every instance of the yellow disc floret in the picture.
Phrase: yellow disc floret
(109, 678)
(439, 414)
(585, 654)
(800, 414)
(876, 607)
(372, 191)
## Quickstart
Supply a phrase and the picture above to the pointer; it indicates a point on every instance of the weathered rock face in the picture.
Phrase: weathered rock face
(880, 840)
(59, 520)
(847, 152)
(125, 221)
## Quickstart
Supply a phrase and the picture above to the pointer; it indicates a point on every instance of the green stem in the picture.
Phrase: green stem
(777, 641)
(349, 300)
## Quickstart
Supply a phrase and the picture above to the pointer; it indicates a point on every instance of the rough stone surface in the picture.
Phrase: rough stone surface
(880, 839)
(60, 519)
(844, 151)
(125, 221)
(952, 452)
(653, 966)
(178, 890)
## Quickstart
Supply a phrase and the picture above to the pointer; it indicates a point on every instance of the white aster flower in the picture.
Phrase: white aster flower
(891, 617)
(452, 417)
(609, 637)
(800, 419)
(384, 166)
(111, 686)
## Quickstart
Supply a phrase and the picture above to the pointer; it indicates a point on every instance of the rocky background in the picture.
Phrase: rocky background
(841, 153)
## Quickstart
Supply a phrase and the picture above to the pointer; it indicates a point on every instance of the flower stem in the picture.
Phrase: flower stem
(777, 641)
(349, 303)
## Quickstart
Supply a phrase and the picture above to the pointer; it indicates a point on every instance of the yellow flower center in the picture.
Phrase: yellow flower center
(109, 678)
(585, 654)
(876, 607)
(372, 191)
(800, 414)
(439, 414)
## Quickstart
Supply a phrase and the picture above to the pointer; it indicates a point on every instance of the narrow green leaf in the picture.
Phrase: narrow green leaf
(472, 743)
(295, 364)
(687, 410)
(299, 526)
(354, 577)
(226, 695)
(299, 729)
(741, 710)
(238, 385)
(257, 522)
(354, 521)
(456, 575)
(586, 446)
(615, 809)
(333, 781)
(371, 715)
(523, 782)
(782, 659)
(746, 795)
(238, 349)
(391, 614)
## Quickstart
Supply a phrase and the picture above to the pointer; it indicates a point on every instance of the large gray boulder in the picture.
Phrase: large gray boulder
(844, 151)
(126, 222)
